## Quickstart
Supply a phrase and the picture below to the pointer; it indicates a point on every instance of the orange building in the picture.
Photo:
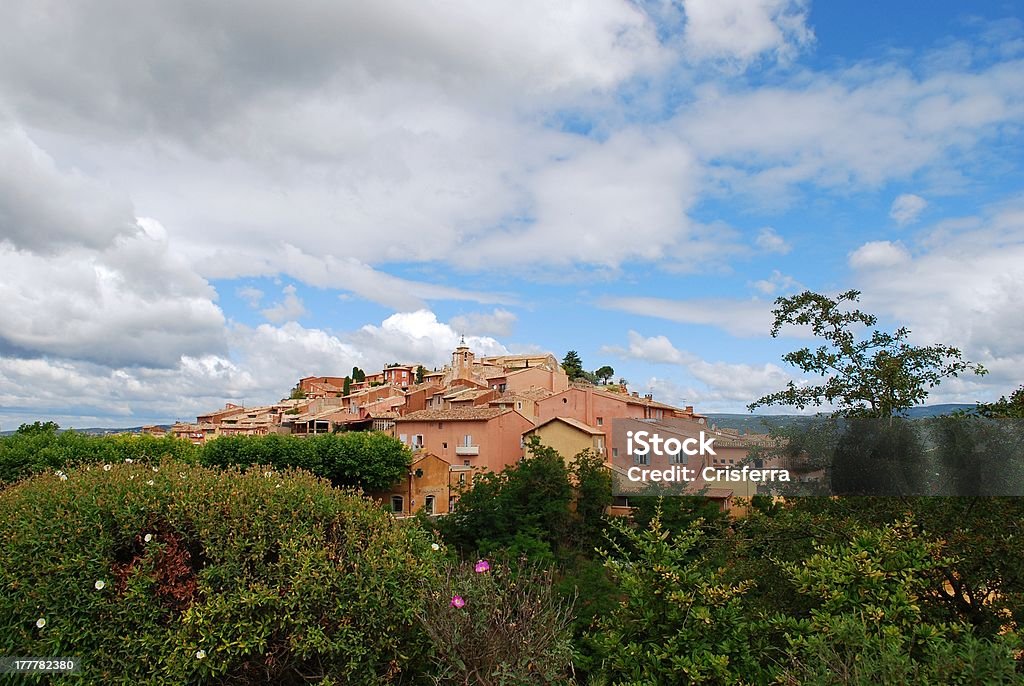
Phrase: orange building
(480, 437)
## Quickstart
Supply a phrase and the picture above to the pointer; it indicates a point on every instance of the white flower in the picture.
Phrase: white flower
(100, 584)
(181, 474)
(131, 478)
(277, 486)
(63, 477)
(150, 482)
(41, 622)
(106, 467)
(129, 460)
(200, 654)
(268, 474)
(155, 469)
(434, 546)
(147, 538)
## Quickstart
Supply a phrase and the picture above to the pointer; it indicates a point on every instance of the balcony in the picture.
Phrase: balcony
(467, 450)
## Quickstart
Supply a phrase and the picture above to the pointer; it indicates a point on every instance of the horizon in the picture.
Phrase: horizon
(238, 206)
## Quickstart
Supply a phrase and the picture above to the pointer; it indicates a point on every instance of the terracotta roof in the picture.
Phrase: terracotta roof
(529, 394)
(718, 493)
(575, 423)
(454, 414)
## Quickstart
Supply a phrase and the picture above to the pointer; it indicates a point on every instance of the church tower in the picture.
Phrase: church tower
(462, 361)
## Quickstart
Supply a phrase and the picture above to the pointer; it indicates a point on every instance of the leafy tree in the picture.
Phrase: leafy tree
(593, 484)
(420, 372)
(38, 428)
(1004, 408)
(524, 509)
(877, 375)
(297, 393)
(358, 374)
(678, 620)
(573, 365)
(604, 374)
(347, 386)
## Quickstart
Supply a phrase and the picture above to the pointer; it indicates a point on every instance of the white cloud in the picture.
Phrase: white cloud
(906, 208)
(738, 317)
(45, 209)
(741, 31)
(290, 307)
(769, 240)
(496, 323)
(777, 283)
(419, 337)
(721, 382)
(251, 295)
(879, 255)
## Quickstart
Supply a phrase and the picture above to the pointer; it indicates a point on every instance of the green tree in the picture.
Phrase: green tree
(573, 365)
(604, 374)
(420, 372)
(873, 375)
(38, 428)
(297, 393)
(347, 387)
(358, 374)
(1005, 408)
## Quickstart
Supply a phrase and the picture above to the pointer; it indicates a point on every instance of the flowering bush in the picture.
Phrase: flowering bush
(492, 624)
(196, 575)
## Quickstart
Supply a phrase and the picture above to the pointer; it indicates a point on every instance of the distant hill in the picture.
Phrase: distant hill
(755, 423)
(97, 431)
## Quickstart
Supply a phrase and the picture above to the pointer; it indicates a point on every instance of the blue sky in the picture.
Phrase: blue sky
(202, 203)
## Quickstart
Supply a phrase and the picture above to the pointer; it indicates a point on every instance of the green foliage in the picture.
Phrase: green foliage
(868, 626)
(346, 387)
(677, 619)
(1004, 408)
(573, 365)
(297, 393)
(40, 447)
(358, 374)
(593, 482)
(604, 374)
(372, 461)
(511, 628)
(420, 373)
(525, 508)
(876, 376)
(274, 576)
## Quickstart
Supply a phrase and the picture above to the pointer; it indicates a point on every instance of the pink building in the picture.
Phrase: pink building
(480, 437)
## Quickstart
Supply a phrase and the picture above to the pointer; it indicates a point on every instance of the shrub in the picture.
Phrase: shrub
(499, 624)
(193, 575)
(40, 447)
(372, 461)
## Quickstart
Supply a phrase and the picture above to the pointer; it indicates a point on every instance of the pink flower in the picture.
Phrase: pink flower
(458, 601)
(482, 566)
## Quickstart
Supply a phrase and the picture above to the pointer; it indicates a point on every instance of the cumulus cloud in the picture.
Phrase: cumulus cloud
(499, 322)
(45, 209)
(879, 255)
(741, 31)
(906, 208)
(289, 308)
(251, 295)
(419, 337)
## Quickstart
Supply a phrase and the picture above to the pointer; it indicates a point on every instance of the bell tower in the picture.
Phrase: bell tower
(462, 360)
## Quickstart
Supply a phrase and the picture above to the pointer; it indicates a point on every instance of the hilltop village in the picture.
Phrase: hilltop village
(476, 414)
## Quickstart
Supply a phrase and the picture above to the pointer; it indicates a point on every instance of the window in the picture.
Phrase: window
(679, 458)
(615, 452)
(444, 445)
(565, 401)
(428, 505)
(599, 444)
(600, 421)
(397, 504)
(465, 463)
(620, 501)
(404, 438)
(641, 458)
(417, 441)
(467, 441)
(519, 405)
(462, 478)
(440, 425)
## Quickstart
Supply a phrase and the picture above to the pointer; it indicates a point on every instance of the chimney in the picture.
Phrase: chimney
(689, 409)
(636, 394)
(648, 396)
